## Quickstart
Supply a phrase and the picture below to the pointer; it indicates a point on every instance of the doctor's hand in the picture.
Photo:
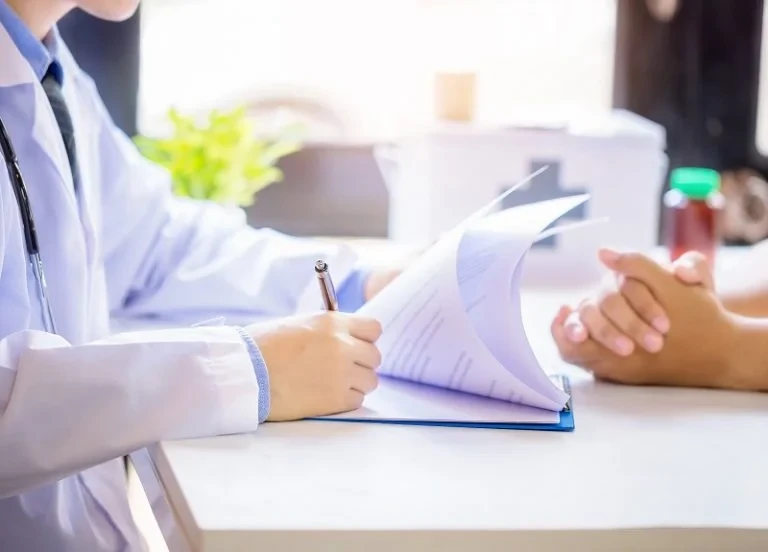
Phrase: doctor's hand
(319, 364)
(624, 313)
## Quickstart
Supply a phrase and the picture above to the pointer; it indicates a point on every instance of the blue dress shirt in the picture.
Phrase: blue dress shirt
(42, 56)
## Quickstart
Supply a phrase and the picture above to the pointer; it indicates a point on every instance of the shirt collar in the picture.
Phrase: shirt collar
(42, 56)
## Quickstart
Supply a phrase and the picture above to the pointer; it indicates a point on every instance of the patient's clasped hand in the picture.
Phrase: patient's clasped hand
(653, 325)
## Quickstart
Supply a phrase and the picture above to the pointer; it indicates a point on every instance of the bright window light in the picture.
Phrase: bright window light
(371, 63)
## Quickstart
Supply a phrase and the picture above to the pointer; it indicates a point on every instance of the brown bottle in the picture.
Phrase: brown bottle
(693, 207)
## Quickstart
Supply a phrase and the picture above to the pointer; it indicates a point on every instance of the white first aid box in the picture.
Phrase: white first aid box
(439, 177)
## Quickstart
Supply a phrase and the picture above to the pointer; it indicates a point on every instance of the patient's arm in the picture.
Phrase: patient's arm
(750, 354)
(744, 290)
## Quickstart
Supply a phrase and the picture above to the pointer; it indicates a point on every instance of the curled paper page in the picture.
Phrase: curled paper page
(453, 319)
(562, 228)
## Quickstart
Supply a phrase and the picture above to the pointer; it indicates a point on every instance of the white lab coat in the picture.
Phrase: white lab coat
(72, 404)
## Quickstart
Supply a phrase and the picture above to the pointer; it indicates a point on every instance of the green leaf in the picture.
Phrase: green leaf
(221, 158)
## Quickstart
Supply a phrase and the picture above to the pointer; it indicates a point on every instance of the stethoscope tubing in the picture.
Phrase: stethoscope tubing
(28, 223)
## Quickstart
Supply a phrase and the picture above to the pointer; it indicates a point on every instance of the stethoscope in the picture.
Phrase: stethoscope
(28, 222)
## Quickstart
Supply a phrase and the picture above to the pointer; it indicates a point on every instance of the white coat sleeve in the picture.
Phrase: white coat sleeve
(65, 408)
(189, 260)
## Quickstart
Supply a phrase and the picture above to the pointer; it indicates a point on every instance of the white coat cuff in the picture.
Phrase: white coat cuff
(262, 376)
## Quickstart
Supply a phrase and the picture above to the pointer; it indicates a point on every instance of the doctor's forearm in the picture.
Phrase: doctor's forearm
(73, 407)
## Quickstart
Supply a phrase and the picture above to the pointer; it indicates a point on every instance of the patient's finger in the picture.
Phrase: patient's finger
(692, 268)
(557, 329)
(616, 309)
(644, 304)
(575, 328)
(602, 330)
(635, 265)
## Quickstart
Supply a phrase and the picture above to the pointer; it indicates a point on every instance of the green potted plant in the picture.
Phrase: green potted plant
(221, 159)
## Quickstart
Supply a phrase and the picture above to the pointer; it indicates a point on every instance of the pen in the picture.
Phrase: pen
(326, 286)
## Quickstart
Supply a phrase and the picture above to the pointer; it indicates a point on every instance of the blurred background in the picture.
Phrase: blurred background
(356, 73)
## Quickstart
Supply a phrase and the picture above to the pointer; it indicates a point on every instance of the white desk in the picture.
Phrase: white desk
(646, 469)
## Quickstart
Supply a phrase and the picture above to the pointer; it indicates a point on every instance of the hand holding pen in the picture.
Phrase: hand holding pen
(319, 364)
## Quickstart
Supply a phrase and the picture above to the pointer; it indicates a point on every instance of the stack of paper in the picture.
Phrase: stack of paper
(454, 347)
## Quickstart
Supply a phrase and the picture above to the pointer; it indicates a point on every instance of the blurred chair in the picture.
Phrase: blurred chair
(328, 190)
(332, 187)
(319, 118)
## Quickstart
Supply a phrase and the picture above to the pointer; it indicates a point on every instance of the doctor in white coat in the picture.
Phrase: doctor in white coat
(114, 241)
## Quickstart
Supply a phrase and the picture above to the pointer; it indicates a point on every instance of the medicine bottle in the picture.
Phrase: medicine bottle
(693, 207)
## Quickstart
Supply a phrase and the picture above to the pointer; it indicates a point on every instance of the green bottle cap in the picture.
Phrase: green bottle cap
(695, 182)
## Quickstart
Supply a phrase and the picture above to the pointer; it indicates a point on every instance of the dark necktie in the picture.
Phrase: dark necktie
(64, 120)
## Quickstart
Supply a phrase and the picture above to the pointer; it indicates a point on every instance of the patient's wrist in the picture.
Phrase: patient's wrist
(747, 367)
(744, 299)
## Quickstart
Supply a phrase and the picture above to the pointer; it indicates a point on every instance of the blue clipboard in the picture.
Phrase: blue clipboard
(566, 423)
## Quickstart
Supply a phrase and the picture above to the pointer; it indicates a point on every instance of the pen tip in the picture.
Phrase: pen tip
(321, 266)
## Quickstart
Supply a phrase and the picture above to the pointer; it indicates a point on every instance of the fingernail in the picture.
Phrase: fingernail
(624, 346)
(576, 332)
(609, 255)
(653, 343)
(661, 324)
